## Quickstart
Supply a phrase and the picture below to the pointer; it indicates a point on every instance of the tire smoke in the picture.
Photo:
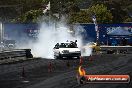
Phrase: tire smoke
(49, 35)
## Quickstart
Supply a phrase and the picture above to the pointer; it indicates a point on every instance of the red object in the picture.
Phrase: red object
(50, 67)
(23, 72)
(107, 78)
(90, 58)
(81, 61)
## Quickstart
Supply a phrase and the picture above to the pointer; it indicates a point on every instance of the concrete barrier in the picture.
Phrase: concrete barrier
(15, 55)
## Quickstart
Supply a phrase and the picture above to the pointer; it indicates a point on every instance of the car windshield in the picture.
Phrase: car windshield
(67, 45)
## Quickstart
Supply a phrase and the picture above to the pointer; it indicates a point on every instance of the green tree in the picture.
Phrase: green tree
(103, 15)
(116, 10)
(85, 16)
(30, 16)
(119, 9)
(79, 17)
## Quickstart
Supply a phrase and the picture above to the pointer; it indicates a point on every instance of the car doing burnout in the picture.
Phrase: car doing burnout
(66, 50)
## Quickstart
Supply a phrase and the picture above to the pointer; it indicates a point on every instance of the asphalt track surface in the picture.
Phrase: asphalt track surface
(36, 72)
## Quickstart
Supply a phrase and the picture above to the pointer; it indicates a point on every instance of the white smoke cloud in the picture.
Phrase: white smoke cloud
(49, 35)
(80, 33)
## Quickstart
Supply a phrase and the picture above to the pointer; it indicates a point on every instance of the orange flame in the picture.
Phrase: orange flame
(81, 71)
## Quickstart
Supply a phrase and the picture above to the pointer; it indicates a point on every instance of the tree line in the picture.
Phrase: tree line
(106, 11)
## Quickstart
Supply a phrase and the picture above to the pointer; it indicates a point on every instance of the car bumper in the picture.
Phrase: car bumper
(70, 54)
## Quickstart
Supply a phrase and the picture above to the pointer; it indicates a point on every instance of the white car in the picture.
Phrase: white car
(66, 51)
